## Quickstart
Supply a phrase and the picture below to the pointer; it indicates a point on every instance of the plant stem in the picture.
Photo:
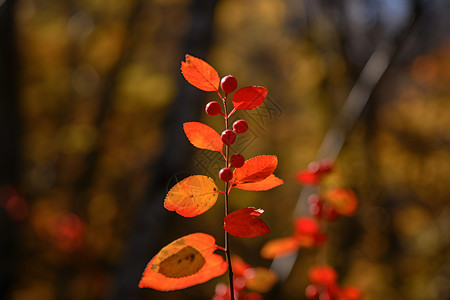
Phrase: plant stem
(227, 192)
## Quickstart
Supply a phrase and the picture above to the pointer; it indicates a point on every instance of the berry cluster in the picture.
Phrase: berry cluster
(228, 136)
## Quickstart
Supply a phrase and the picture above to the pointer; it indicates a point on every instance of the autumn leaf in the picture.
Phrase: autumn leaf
(350, 293)
(200, 74)
(308, 178)
(255, 169)
(280, 247)
(249, 97)
(260, 279)
(322, 274)
(185, 262)
(244, 223)
(266, 184)
(343, 200)
(202, 136)
(192, 196)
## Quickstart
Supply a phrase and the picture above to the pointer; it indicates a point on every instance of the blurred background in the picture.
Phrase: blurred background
(92, 103)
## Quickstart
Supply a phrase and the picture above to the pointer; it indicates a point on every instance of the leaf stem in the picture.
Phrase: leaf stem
(227, 192)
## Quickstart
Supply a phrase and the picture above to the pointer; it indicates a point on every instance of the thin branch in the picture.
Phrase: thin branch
(376, 66)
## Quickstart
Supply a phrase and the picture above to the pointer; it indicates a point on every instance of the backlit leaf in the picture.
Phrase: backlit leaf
(260, 279)
(200, 74)
(307, 177)
(192, 196)
(322, 274)
(202, 136)
(350, 293)
(255, 169)
(266, 184)
(249, 97)
(185, 262)
(244, 223)
(343, 200)
(280, 247)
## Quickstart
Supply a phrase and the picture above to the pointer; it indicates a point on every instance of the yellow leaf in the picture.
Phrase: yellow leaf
(192, 196)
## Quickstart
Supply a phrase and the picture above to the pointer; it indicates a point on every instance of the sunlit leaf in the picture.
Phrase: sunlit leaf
(322, 274)
(200, 74)
(260, 279)
(350, 293)
(185, 262)
(306, 226)
(249, 97)
(244, 223)
(255, 169)
(343, 200)
(192, 196)
(266, 184)
(280, 247)
(239, 265)
(306, 177)
(202, 136)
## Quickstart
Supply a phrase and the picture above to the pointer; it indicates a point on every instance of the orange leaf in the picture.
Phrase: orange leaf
(192, 196)
(244, 223)
(343, 200)
(200, 74)
(185, 262)
(202, 136)
(255, 169)
(280, 247)
(266, 184)
(260, 279)
(249, 97)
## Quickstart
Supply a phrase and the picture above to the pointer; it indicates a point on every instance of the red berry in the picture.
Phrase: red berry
(225, 174)
(315, 205)
(237, 160)
(240, 126)
(312, 292)
(213, 108)
(228, 84)
(228, 137)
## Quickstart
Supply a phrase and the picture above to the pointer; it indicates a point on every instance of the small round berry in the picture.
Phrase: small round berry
(228, 84)
(240, 126)
(312, 292)
(228, 137)
(237, 160)
(225, 174)
(315, 205)
(213, 108)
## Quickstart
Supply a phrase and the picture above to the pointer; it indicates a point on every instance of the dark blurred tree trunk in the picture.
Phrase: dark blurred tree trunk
(9, 141)
(151, 218)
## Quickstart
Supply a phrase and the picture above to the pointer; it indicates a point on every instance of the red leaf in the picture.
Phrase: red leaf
(322, 274)
(350, 293)
(306, 226)
(202, 136)
(255, 169)
(249, 97)
(183, 263)
(266, 184)
(244, 223)
(200, 74)
(307, 177)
